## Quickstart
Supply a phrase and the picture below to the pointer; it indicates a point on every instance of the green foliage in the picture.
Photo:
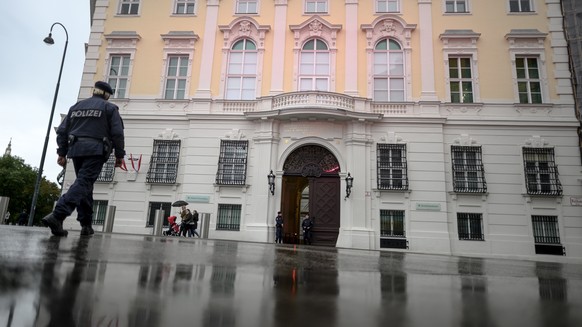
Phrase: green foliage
(17, 181)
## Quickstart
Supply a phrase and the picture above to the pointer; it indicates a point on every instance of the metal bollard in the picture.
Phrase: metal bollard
(109, 219)
(158, 223)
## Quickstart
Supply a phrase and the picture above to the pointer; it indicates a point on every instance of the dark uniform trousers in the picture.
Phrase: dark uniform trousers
(80, 194)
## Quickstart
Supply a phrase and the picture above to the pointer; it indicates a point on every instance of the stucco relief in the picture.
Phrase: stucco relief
(388, 26)
(465, 140)
(168, 134)
(244, 27)
(536, 141)
(315, 26)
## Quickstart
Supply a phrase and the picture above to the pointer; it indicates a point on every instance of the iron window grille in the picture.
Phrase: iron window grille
(545, 229)
(185, 7)
(392, 167)
(232, 163)
(392, 223)
(228, 217)
(470, 226)
(468, 171)
(99, 212)
(153, 206)
(108, 170)
(164, 162)
(541, 172)
(129, 7)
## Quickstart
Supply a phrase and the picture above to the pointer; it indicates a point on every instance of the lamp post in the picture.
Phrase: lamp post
(48, 40)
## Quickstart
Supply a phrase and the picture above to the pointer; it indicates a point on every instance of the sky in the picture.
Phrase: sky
(29, 71)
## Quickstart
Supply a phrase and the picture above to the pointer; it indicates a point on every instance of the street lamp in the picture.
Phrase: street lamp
(271, 178)
(349, 184)
(48, 40)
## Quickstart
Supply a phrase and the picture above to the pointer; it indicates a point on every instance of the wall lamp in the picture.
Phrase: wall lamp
(271, 178)
(349, 184)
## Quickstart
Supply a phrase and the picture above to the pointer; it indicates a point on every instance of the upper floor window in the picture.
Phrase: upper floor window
(314, 66)
(461, 79)
(391, 165)
(456, 6)
(520, 6)
(129, 7)
(541, 172)
(315, 6)
(468, 172)
(108, 170)
(246, 6)
(185, 7)
(164, 162)
(388, 71)
(232, 162)
(241, 77)
(528, 79)
(383, 6)
(176, 77)
(119, 74)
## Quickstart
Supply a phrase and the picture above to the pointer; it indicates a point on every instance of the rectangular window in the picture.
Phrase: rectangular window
(392, 166)
(461, 79)
(387, 6)
(456, 6)
(246, 6)
(119, 74)
(228, 217)
(392, 223)
(315, 6)
(541, 172)
(99, 212)
(164, 162)
(176, 77)
(108, 170)
(232, 163)
(468, 171)
(520, 6)
(185, 7)
(545, 229)
(153, 207)
(528, 80)
(470, 226)
(129, 7)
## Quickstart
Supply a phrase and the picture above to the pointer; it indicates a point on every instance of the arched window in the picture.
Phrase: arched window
(241, 79)
(388, 71)
(314, 67)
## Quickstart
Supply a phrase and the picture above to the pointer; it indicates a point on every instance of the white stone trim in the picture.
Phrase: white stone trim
(177, 43)
(461, 43)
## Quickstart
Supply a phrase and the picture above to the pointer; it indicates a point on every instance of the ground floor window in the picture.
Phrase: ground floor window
(228, 217)
(470, 226)
(153, 206)
(99, 212)
(392, 234)
(546, 235)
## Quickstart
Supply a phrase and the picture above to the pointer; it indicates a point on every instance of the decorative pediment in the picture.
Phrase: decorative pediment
(244, 27)
(459, 39)
(180, 39)
(315, 27)
(391, 138)
(536, 141)
(122, 39)
(526, 38)
(464, 140)
(235, 134)
(168, 134)
(388, 25)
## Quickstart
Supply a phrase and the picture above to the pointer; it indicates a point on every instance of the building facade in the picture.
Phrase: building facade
(439, 126)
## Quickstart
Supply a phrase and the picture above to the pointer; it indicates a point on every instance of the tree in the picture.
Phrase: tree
(17, 181)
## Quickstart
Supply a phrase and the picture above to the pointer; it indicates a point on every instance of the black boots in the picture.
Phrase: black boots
(55, 225)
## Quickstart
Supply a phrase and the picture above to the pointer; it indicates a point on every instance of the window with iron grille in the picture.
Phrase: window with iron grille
(185, 7)
(541, 172)
(468, 172)
(470, 226)
(153, 206)
(545, 229)
(392, 170)
(99, 212)
(392, 223)
(119, 74)
(164, 162)
(129, 7)
(246, 6)
(228, 217)
(232, 163)
(108, 170)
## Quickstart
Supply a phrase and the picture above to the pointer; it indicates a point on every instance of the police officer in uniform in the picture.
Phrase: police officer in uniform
(88, 135)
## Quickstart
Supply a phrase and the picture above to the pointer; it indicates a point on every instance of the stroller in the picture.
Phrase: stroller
(173, 228)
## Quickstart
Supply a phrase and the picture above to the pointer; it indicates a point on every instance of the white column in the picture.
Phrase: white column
(426, 51)
(279, 47)
(209, 38)
(351, 64)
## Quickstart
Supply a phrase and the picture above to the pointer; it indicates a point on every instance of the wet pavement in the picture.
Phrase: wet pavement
(133, 280)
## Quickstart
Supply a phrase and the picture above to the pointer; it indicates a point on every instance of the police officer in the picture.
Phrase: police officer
(307, 226)
(89, 133)
(279, 228)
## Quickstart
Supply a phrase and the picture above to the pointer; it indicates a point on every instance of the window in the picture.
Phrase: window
(520, 6)
(129, 7)
(470, 226)
(392, 223)
(388, 71)
(119, 74)
(242, 71)
(392, 170)
(314, 67)
(228, 217)
(545, 229)
(246, 6)
(461, 79)
(232, 163)
(164, 162)
(528, 80)
(108, 170)
(153, 206)
(185, 7)
(456, 6)
(468, 172)
(176, 77)
(387, 6)
(541, 172)
(99, 212)
(315, 6)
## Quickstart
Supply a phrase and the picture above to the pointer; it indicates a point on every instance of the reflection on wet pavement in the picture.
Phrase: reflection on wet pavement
(130, 280)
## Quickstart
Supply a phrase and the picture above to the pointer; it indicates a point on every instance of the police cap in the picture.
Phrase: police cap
(103, 86)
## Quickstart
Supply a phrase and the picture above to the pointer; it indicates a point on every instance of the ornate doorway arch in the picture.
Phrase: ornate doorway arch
(311, 185)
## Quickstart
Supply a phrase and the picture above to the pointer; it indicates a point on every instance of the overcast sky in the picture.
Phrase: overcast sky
(30, 69)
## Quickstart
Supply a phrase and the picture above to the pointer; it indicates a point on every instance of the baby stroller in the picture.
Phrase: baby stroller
(173, 228)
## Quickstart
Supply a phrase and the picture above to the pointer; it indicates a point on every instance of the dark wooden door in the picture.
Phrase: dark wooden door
(290, 207)
(324, 205)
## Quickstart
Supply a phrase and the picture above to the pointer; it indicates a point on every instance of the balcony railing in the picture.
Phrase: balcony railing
(313, 99)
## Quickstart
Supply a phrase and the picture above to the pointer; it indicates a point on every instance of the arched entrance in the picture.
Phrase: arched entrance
(311, 185)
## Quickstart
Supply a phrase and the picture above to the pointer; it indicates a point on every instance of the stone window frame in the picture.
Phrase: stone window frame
(175, 3)
(120, 43)
(177, 43)
(461, 43)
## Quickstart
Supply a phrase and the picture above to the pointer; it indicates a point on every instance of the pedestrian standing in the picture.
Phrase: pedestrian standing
(23, 218)
(88, 134)
(186, 216)
(307, 226)
(194, 224)
(279, 228)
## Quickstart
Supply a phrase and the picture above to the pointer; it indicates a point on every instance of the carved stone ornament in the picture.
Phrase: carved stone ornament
(315, 28)
(536, 141)
(311, 161)
(464, 140)
(168, 134)
(244, 28)
(388, 27)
